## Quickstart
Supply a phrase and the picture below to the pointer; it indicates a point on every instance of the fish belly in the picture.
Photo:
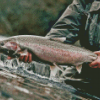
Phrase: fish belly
(57, 55)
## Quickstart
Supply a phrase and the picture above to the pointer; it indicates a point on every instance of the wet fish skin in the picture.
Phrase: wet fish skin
(52, 51)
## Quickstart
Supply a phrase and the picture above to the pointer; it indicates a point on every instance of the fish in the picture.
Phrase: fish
(50, 51)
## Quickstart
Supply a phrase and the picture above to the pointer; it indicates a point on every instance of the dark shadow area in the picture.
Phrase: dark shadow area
(90, 81)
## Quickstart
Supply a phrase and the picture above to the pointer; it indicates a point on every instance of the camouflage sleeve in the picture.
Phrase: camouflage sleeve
(67, 27)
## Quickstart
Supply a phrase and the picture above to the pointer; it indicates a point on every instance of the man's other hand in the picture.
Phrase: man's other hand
(96, 63)
(24, 58)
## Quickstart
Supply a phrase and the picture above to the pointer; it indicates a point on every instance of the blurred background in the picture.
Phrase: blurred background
(32, 17)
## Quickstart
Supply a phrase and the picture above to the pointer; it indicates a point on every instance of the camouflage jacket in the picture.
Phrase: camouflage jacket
(80, 21)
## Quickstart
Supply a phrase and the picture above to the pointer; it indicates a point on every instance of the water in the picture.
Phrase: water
(29, 86)
(18, 82)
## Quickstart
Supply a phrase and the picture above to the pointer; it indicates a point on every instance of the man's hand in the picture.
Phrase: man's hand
(96, 63)
(24, 58)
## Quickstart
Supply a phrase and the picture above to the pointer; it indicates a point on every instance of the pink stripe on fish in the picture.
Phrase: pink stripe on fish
(56, 55)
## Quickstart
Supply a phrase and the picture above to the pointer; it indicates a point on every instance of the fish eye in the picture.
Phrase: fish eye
(1, 43)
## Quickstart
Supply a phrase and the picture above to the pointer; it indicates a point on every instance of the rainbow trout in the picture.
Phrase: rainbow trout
(50, 51)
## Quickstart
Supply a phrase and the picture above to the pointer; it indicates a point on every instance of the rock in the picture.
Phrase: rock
(38, 68)
(34, 67)
(15, 87)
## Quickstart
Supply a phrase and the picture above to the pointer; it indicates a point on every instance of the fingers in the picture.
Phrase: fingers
(9, 57)
(94, 63)
(21, 58)
(27, 58)
(30, 57)
(95, 67)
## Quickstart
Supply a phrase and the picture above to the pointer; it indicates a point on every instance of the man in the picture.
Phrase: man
(80, 21)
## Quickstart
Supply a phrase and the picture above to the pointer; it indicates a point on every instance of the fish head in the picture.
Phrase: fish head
(10, 45)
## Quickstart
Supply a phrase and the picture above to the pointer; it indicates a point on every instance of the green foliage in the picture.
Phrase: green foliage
(36, 17)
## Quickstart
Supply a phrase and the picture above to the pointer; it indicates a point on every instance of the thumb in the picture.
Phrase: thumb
(97, 52)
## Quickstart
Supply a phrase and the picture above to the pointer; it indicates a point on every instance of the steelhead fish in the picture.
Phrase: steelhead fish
(51, 51)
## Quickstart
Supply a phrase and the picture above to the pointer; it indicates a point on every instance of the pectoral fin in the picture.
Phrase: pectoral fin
(54, 69)
(79, 68)
(53, 72)
(59, 67)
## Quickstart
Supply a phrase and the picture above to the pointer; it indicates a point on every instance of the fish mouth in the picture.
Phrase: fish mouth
(9, 48)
